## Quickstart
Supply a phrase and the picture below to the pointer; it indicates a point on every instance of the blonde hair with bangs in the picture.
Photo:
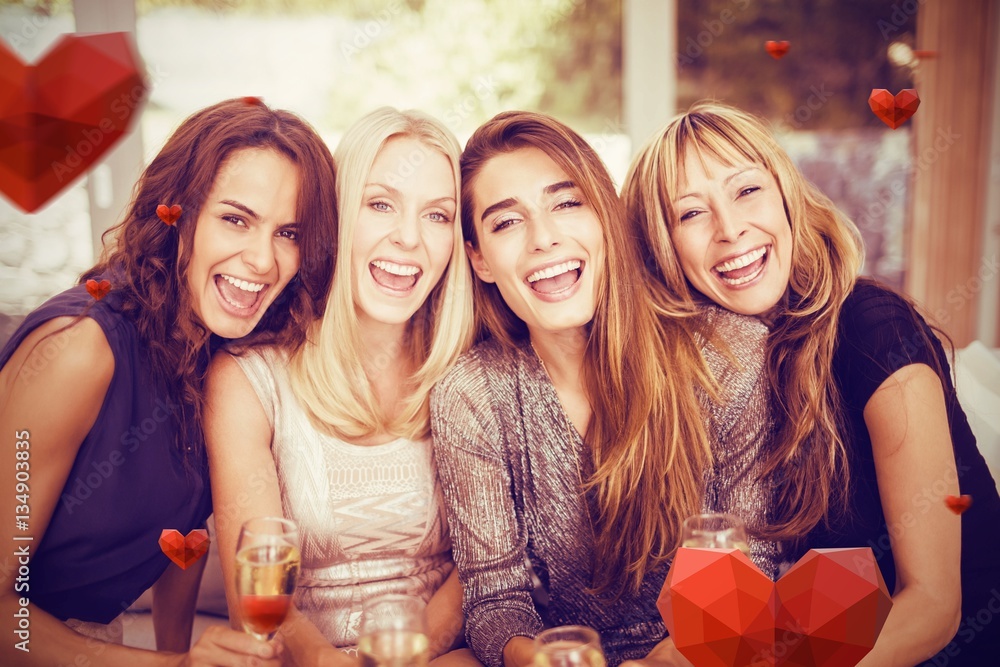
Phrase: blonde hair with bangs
(808, 455)
(327, 373)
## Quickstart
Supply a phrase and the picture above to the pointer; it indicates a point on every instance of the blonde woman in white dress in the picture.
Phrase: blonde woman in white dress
(335, 435)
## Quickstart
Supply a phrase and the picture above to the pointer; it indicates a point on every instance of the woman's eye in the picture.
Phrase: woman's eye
(290, 234)
(380, 206)
(234, 220)
(688, 215)
(503, 223)
(437, 216)
(750, 189)
(569, 203)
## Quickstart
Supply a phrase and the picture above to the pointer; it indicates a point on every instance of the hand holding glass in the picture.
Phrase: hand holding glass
(715, 531)
(568, 646)
(267, 564)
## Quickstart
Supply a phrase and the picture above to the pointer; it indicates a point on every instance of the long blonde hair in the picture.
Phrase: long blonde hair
(807, 458)
(646, 436)
(327, 373)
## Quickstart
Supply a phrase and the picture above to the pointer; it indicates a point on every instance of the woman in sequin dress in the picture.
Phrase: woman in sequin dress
(559, 439)
(335, 436)
(869, 439)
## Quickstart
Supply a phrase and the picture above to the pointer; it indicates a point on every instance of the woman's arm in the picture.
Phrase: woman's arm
(915, 462)
(175, 595)
(245, 485)
(488, 535)
(57, 402)
(445, 619)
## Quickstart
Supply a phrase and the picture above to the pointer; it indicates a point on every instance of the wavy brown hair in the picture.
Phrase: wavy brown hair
(807, 458)
(646, 433)
(147, 261)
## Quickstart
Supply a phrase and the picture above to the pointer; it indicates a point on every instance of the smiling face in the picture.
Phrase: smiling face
(732, 236)
(245, 250)
(405, 231)
(539, 239)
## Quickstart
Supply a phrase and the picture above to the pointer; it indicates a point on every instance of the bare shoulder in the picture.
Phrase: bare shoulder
(62, 352)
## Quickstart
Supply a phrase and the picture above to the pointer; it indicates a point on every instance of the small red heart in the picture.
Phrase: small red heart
(776, 49)
(184, 550)
(894, 110)
(98, 290)
(169, 214)
(958, 504)
(253, 100)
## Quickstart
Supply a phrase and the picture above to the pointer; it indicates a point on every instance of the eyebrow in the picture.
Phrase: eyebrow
(510, 201)
(388, 188)
(243, 207)
(724, 183)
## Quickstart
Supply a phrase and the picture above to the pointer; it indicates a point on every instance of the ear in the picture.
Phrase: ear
(479, 264)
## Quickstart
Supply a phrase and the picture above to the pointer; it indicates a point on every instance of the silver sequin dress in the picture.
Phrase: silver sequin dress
(371, 518)
(511, 474)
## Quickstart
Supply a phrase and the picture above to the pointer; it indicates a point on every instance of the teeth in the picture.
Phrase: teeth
(554, 271)
(397, 269)
(742, 260)
(243, 284)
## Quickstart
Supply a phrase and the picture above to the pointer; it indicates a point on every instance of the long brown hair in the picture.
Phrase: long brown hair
(808, 458)
(147, 261)
(646, 434)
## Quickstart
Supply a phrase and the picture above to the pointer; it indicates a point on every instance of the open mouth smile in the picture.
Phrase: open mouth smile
(743, 269)
(239, 297)
(395, 278)
(556, 282)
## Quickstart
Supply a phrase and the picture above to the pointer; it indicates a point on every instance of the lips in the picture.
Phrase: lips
(742, 269)
(240, 298)
(555, 278)
(393, 276)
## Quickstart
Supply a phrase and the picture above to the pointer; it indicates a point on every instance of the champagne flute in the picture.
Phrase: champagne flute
(715, 531)
(394, 632)
(267, 564)
(569, 646)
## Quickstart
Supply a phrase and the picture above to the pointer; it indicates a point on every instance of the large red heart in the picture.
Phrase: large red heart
(184, 550)
(58, 117)
(894, 110)
(826, 611)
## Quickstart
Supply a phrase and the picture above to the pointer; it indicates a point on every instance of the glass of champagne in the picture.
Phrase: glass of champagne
(394, 632)
(715, 531)
(569, 646)
(267, 564)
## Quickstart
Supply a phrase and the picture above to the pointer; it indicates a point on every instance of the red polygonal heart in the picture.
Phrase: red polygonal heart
(184, 550)
(826, 611)
(894, 110)
(61, 115)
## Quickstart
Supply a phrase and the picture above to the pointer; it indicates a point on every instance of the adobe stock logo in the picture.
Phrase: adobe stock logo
(58, 117)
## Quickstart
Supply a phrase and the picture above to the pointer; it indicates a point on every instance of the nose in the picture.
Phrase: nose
(729, 225)
(406, 232)
(259, 252)
(543, 232)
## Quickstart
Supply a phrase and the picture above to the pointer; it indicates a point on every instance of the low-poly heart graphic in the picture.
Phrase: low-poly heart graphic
(776, 49)
(826, 611)
(169, 214)
(61, 115)
(894, 110)
(98, 290)
(184, 550)
(958, 504)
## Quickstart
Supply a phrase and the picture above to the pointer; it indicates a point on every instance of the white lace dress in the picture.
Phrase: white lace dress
(371, 518)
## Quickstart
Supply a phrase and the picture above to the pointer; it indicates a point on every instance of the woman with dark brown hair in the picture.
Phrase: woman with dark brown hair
(574, 437)
(100, 388)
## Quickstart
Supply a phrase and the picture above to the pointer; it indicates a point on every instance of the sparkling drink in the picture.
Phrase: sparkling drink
(265, 581)
(394, 648)
(724, 544)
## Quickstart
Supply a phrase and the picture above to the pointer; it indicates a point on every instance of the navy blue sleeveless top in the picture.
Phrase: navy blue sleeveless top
(128, 483)
(877, 336)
